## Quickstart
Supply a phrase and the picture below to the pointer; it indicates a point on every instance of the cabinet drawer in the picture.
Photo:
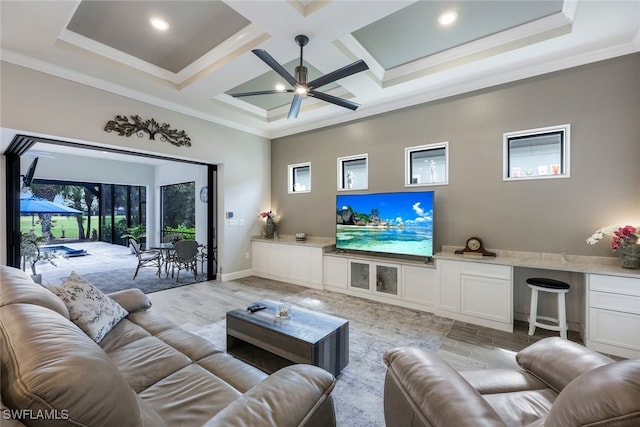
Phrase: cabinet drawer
(615, 284)
(617, 302)
(486, 270)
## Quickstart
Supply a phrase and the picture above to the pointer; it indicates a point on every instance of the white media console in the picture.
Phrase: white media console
(603, 304)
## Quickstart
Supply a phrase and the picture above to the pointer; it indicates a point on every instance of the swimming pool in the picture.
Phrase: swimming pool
(64, 251)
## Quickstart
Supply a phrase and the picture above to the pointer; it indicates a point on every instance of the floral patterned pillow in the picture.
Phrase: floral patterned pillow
(89, 308)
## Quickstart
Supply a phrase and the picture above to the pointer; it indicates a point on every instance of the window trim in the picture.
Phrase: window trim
(565, 151)
(340, 167)
(407, 163)
(290, 171)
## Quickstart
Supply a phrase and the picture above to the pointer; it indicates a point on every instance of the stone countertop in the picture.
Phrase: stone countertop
(546, 261)
(316, 242)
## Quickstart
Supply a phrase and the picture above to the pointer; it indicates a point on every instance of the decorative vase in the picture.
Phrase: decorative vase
(629, 255)
(269, 228)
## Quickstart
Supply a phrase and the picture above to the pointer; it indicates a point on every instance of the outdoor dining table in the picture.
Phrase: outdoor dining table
(165, 249)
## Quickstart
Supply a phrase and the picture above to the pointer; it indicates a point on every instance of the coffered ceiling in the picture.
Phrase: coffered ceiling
(205, 53)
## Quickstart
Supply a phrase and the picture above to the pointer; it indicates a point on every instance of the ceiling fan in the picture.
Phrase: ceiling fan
(301, 87)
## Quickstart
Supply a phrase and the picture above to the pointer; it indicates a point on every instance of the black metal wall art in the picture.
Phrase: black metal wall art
(137, 126)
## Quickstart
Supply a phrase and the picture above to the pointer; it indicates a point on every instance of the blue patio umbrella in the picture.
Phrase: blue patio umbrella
(31, 205)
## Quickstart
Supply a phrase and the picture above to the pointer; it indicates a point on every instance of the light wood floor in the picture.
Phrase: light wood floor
(466, 346)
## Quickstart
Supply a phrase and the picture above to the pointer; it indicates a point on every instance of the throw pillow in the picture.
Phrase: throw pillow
(89, 308)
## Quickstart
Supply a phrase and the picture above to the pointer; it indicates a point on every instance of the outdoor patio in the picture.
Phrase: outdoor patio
(110, 268)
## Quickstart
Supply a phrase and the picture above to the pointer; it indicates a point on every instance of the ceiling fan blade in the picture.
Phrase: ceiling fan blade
(268, 59)
(338, 74)
(295, 107)
(334, 100)
(260, 92)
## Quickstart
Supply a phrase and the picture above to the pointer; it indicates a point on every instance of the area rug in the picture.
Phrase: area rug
(146, 280)
(373, 329)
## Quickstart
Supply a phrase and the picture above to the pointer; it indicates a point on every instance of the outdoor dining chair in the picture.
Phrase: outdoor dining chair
(185, 256)
(146, 258)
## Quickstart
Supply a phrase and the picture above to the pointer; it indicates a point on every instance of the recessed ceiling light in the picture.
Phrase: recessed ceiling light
(159, 24)
(280, 86)
(448, 18)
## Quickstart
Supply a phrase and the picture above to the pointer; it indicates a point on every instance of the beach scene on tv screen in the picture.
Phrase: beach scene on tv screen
(397, 223)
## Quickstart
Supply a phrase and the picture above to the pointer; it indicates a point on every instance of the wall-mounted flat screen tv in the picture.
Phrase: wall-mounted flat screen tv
(394, 223)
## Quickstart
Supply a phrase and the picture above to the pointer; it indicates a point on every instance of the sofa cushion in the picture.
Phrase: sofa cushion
(50, 366)
(146, 361)
(557, 362)
(17, 287)
(89, 308)
(608, 395)
(521, 408)
(189, 396)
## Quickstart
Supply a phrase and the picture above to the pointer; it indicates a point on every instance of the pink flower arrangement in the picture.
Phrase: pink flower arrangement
(626, 234)
(269, 214)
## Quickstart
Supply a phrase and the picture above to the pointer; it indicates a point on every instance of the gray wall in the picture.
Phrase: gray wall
(600, 101)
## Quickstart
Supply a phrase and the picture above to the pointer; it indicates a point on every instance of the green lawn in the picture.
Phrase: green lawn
(58, 223)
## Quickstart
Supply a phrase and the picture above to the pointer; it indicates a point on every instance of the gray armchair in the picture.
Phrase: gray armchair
(146, 258)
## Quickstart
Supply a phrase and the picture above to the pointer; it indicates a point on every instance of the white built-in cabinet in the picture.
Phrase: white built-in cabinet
(613, 315)
(477, 293)
(299, 264)
(405, 283)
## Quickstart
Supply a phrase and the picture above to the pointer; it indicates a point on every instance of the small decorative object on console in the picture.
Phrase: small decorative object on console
(474, 246)
(300, 236)
(270, 224)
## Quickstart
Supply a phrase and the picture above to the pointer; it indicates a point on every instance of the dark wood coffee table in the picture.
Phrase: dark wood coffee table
(308, 337)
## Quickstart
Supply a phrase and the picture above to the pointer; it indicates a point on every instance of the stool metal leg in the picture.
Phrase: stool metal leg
(532, 311)
(562, 315)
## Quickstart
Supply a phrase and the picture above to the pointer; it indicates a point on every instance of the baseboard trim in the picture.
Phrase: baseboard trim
(236, 275)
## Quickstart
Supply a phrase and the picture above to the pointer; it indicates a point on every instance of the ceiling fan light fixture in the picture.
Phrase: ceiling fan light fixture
(299, 85)
(448, 17)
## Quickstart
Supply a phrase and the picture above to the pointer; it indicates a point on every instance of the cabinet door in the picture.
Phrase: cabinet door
(359, 275)
(299, 263)
(278, 259)
(449, 275)
(615, 328)
(387, 279)
(260, 262)
(485, 297)
(315, 265)
(419, 285)
(336, 272)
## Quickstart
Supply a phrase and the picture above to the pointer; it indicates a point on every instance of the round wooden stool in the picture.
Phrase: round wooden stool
(557, 287)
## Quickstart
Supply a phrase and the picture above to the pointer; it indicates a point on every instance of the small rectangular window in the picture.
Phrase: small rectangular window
(427, 165)
(299, 178)
(353, 172)
(536, 153)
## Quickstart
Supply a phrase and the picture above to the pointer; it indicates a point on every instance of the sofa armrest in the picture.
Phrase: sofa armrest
(288, 397)
(131, 300)
(557, 362)
(422, 389)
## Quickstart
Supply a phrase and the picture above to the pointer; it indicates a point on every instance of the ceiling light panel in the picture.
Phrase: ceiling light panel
(413, 33)
(197, 27)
